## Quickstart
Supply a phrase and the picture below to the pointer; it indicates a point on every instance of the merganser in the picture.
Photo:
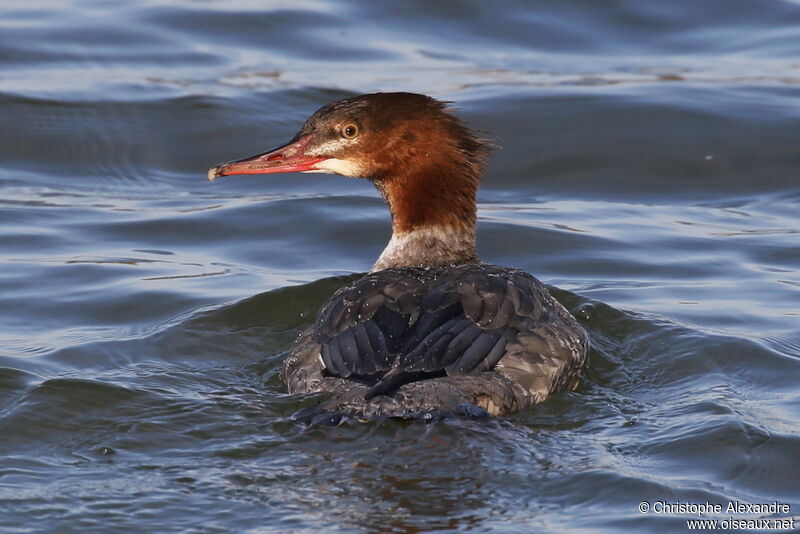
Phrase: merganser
(430, 329)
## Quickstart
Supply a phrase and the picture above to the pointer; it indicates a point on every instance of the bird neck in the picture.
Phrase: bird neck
(433, 218)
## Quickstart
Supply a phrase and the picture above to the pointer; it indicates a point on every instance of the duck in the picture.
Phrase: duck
(431, 329)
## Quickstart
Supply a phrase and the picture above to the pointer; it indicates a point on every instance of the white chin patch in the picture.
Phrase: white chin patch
(338, 166)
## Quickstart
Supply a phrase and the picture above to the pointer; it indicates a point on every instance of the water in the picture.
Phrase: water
(649, 171)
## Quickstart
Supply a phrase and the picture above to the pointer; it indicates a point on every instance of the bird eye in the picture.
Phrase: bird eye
(350, 131)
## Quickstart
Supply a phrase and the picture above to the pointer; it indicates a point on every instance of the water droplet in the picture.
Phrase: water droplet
(585, 311)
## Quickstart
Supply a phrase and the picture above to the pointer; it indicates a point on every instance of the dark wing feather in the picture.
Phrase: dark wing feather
(429, 353)
(428, 322)
(333, 359)
(391, 331)
(484, 352)
(368, 354)
(460, 343)
(455, 320)
(392, 324)
(351, 359)
(411, 340)
(377, 340)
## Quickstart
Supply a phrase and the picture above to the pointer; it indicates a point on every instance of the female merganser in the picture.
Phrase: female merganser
(431, 329)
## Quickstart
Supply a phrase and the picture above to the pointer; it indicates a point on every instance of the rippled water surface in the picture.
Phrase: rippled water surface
(649, 172)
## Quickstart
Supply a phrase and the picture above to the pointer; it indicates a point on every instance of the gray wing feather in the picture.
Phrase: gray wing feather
(403, 325)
